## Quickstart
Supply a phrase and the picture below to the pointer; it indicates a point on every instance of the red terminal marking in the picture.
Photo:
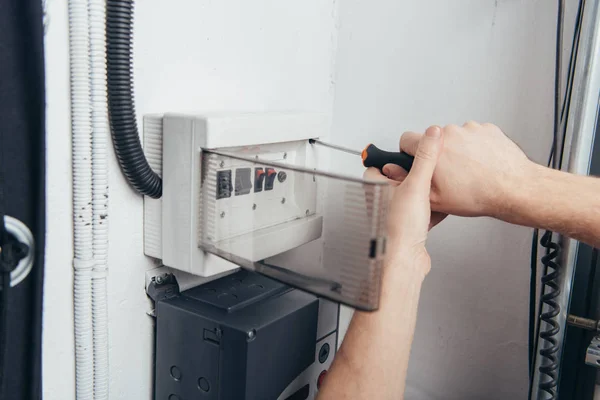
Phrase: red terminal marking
(271, 171)
(321, 378)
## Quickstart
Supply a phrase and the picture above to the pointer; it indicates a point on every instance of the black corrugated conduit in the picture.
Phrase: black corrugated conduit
(121, 108)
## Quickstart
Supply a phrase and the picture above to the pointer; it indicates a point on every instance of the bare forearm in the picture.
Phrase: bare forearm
(373, 360)
(377, 345)
(558, 201)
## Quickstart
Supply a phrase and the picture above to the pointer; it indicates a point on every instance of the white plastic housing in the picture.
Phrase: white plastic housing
(171, 223)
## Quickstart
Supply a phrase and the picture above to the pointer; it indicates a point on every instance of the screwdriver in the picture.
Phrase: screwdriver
(373, 156)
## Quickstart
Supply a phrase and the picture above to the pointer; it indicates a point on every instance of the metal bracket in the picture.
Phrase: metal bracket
(164, 283)
(583, 323)
(163, 287)
(184, 280)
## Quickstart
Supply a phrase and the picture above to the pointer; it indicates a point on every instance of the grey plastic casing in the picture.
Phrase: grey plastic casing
(243, 336)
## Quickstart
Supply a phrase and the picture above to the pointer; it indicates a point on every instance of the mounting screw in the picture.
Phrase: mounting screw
(222, 164)
(159, 280)
(222, 214)
(283, 200)
(251, 334)
(254, 206)
(284, 156)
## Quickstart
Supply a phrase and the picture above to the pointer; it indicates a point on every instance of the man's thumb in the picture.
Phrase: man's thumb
(428, 152)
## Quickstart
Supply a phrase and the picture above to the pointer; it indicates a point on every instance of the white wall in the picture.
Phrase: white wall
(189, 55)
(405, 65)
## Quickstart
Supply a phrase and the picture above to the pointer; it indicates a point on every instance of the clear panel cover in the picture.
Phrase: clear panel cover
(318, 231)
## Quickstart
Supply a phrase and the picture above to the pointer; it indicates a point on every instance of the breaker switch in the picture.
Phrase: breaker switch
(243, 184)
(224, 184)
(270, 178)
(321, 378)
(259, 178)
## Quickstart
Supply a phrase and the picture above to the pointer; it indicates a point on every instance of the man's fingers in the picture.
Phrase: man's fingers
(426, 157)
(373, 174)
(409, 142)
(394, 172)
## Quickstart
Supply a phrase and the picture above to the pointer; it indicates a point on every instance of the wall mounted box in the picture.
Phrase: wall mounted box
(243, 337)
(253, 190)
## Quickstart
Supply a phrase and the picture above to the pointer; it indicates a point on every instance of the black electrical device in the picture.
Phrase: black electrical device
(240, 337)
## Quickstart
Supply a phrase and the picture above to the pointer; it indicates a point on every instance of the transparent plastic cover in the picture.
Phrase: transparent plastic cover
(318, 231)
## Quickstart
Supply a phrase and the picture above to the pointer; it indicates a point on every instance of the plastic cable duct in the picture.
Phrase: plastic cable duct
(100, 132)
(119, 36)
(82, 197)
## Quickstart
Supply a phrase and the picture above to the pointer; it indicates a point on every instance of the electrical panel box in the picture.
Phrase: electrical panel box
(252, 190)
(243, 337)
(174, 144)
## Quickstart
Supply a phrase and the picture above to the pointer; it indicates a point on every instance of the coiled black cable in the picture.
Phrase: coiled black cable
(549, 366)
(121, 109)
(550, 289)
(555, 152)
(549, 309)
(532, 303)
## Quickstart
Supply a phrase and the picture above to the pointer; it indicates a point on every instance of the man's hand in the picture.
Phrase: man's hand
(479, 169)
(410, 216)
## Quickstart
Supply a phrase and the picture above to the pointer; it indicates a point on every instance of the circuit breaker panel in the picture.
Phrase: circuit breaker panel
(256, 209)
(244, 337)
(254, 191)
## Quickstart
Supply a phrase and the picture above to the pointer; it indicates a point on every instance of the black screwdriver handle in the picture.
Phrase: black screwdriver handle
(373, 156)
